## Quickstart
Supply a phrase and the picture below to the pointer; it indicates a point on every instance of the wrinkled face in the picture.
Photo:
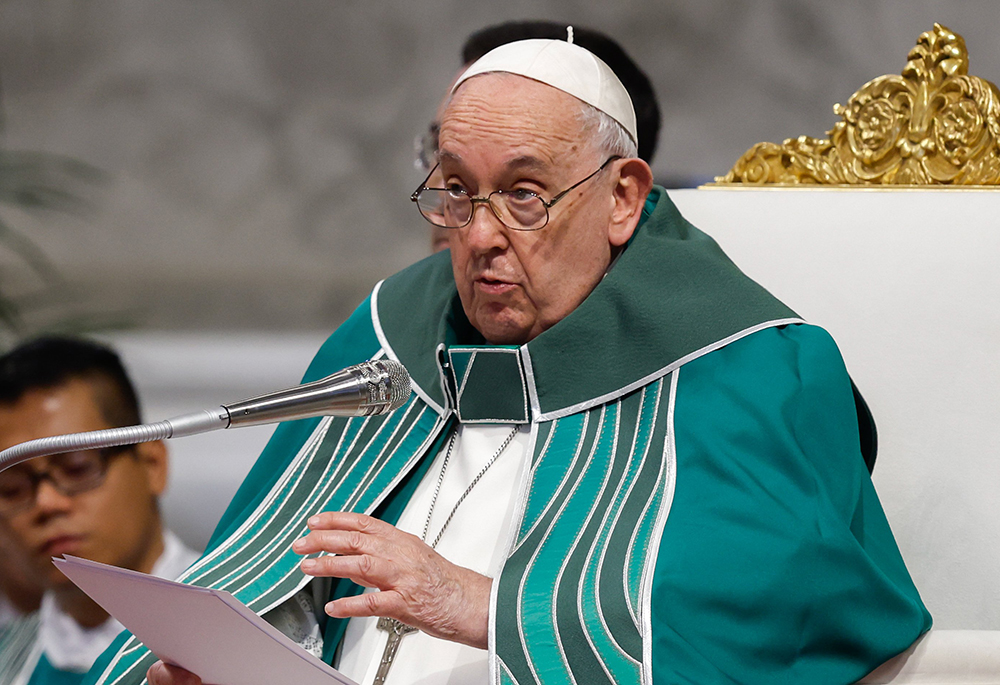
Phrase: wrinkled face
(505, 132)
(114, 523)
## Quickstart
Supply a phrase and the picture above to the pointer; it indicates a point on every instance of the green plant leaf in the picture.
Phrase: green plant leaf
(39, 180)
(27, 250)
(10, 317)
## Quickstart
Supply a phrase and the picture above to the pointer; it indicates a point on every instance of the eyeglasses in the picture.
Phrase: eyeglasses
(520, 210)
(70, 473)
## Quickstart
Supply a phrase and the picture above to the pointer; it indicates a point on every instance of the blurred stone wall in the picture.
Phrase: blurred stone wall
(259, 153)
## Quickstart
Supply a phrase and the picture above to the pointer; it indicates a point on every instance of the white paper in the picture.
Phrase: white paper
(208, 632)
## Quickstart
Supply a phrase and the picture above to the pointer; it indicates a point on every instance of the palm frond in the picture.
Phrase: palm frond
(28, 251)
(40, 180)
(33, 181)
(10, 316)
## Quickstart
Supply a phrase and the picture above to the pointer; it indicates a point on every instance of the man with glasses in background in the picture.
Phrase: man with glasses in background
(95, 504)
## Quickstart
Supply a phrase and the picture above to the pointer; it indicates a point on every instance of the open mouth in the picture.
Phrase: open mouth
(493, 287)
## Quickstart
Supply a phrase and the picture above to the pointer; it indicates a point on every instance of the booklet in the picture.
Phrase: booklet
(208, 632)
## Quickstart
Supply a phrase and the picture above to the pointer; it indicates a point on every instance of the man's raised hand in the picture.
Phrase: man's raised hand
(415, 584)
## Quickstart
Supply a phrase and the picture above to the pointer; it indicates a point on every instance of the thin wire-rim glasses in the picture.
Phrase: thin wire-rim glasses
(506, 205)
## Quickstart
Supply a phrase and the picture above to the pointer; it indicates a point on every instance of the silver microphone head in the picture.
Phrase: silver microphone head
(366, 389)
(388, 385)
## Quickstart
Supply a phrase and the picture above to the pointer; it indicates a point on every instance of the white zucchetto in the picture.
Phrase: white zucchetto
(565, 66)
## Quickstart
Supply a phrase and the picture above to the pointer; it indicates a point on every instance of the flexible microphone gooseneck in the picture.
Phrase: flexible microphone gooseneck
(367, 389)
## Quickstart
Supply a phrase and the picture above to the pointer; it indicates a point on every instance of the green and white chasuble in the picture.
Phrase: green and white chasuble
(696, 509)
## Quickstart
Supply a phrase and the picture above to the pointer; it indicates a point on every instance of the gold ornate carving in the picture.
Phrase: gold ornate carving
(933, 124)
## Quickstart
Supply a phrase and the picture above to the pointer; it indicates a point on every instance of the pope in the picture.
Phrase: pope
(623, 461)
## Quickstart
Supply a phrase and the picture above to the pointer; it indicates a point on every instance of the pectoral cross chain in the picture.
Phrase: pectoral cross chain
(396, 629)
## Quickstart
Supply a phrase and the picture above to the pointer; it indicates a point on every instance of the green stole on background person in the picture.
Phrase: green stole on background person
(591, 590)
(21, 659)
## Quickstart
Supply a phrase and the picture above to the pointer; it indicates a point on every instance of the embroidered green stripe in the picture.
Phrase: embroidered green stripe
(543, 475)
(570, 436)
(576, 570)
(541, 579)
(648, 503)
(273, 570)
(612, 588)
(569, 543)
(600, 627)
(283, 577)
(232, 558)
(362, 450)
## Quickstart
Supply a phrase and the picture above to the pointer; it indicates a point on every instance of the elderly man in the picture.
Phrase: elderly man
(623, 460)
(100, 505)
(604, 47)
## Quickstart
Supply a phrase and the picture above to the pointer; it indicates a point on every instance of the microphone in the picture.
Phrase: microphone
(367, 389)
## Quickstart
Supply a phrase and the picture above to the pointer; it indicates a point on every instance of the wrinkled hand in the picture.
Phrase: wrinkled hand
(162, 674)
(416, 584)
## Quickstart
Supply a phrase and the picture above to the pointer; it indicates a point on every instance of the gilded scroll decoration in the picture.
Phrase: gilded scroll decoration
(932, 124)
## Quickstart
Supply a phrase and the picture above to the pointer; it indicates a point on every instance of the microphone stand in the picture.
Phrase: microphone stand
(367, 389)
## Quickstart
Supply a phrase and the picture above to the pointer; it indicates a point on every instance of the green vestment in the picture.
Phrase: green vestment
(697, 508)
(23, 663)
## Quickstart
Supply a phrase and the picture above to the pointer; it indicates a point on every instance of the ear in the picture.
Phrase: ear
(152, 457)
(635, 180)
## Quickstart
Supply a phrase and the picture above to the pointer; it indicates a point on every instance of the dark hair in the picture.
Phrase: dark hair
(647, 111)
(51, 361)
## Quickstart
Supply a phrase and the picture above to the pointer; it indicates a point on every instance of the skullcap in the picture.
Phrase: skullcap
(564, 66)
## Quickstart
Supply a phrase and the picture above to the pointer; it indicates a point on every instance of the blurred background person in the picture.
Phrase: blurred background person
(96, 504)
(635, 80)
